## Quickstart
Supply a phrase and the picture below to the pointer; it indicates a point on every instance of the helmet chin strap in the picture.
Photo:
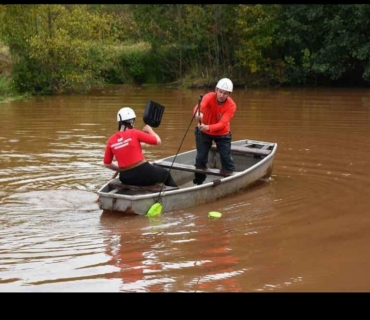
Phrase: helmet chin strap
(122, 126)
(119, 123)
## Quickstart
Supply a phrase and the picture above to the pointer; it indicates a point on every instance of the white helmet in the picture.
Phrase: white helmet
(125, 114)
(225, 84)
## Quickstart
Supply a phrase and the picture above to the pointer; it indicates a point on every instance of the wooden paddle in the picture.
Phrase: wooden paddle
(153, 116)
(156, 208)
(198, 110)
(113, 177)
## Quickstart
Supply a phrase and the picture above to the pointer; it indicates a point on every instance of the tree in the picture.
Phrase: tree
(53, 45)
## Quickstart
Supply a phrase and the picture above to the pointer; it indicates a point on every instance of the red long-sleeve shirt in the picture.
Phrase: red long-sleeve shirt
(217, 117)
(125, 146)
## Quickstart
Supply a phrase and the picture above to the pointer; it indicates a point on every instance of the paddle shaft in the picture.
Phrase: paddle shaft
(113, 177)
(157, 206)
(199, 101)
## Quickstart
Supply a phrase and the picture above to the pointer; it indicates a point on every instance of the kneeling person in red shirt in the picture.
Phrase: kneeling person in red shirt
(125, 147)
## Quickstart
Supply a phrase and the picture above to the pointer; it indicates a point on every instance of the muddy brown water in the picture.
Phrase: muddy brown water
(306, 230)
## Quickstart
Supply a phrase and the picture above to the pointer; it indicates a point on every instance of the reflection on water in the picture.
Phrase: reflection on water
(171, 254)
(306, 229)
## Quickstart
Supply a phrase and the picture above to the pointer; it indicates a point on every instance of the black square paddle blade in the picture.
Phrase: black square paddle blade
(153, 114)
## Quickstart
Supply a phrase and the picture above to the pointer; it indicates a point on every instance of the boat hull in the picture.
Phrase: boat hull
(252, 166)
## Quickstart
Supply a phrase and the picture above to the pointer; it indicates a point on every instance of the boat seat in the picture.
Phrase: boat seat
(117, 186)
(191, 168)
(249, 149)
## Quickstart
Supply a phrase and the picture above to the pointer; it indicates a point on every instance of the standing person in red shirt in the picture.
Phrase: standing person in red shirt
(214, 115)
(125, 147)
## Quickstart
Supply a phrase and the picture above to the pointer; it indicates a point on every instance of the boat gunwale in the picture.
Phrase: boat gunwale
(235, 175)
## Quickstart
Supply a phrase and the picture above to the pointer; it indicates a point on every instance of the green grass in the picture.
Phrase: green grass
(7, 91)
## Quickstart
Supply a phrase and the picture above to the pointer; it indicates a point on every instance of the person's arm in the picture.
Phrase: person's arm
(108, 159)
(113, 166)
(221, 124)
(197, 114)
(204, 105)
(148, 129)
(225, 119)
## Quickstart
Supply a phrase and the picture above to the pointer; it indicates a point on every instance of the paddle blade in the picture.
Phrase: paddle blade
(155, 210)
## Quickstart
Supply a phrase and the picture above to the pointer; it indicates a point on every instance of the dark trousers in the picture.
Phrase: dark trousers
(147, 174)
(203, 144)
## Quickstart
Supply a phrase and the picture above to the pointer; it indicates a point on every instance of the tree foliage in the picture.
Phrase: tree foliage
(66, 48)
(258, 26)
(327, 41)
(53, 45)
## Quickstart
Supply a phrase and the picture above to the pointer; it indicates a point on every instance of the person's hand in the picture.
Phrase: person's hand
(147, 129)
(203, 127)
(198, 116)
